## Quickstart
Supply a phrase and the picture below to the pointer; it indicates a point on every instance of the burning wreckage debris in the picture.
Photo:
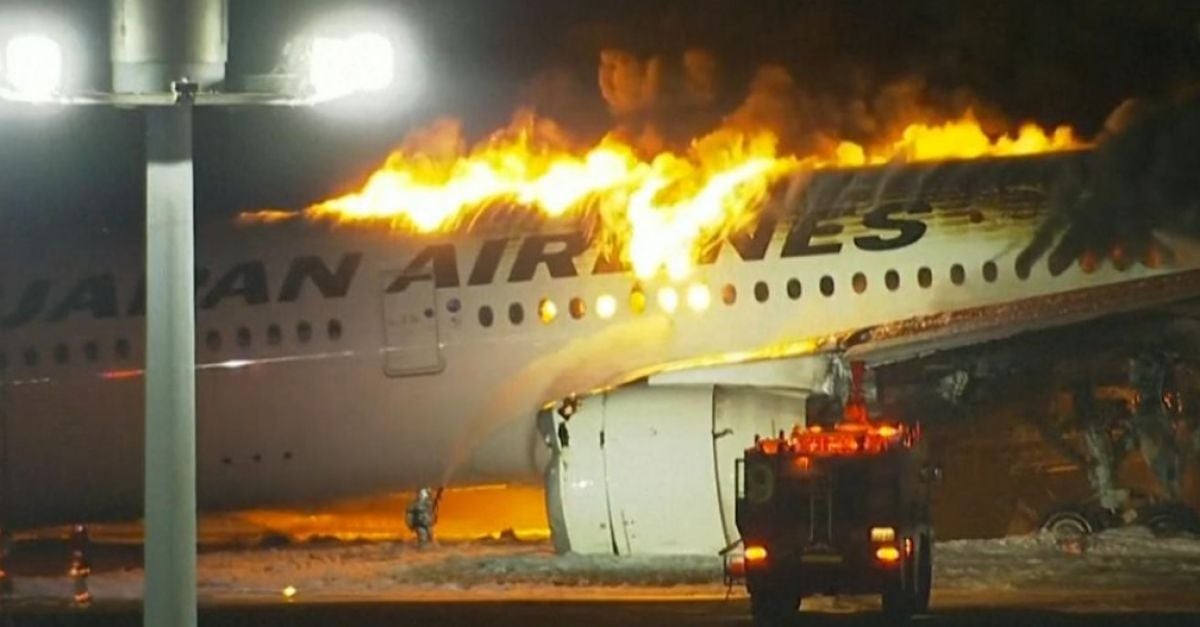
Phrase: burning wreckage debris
(1139, 179)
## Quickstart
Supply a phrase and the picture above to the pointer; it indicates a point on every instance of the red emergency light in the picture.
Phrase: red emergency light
(845, 439)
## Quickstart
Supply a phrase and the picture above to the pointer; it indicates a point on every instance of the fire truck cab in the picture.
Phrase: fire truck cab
(842, 509)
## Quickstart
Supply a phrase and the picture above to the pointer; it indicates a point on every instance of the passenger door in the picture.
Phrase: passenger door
(411, 342)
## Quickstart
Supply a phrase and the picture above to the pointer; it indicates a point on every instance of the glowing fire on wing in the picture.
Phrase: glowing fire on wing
(653, 211)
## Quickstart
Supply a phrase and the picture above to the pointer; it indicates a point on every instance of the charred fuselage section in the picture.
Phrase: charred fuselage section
(1097, 420)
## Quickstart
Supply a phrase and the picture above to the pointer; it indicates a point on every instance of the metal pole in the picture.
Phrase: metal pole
(160, 47)
(170, 533)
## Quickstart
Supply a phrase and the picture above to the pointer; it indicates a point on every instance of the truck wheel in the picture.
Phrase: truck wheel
(908, 593)
(772, 609)
(897, 602)
(924, 575)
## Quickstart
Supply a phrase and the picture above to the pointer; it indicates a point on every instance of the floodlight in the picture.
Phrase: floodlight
(33, 67)
(340, 66)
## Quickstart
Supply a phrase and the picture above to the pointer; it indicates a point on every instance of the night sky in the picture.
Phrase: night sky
(1068, 61)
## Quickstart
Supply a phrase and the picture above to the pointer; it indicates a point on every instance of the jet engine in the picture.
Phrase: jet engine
(649, 468)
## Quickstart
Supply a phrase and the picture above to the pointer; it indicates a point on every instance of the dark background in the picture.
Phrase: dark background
(1068, 61)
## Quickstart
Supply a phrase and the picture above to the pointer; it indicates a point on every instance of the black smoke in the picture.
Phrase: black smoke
(1143, 179)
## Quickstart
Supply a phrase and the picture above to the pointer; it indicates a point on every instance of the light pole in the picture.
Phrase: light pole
(170, 447)
(177, 47)
(168, 56)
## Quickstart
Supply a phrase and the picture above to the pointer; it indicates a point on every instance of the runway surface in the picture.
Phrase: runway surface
(1127, 577)
(623, 613)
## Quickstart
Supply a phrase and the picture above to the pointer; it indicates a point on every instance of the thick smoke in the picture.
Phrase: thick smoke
(630, 85)
(1142, 179)
(664, 103)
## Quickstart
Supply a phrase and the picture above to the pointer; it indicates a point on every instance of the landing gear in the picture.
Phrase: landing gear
(908, 593)
(1070, 530)
(1068, 523)
(1073, 525)
(1170, 519)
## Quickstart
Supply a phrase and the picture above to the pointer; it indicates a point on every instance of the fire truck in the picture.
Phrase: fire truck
(840, 508)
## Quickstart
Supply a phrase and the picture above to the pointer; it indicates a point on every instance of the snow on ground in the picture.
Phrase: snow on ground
(1117, 559)
(1124, 561)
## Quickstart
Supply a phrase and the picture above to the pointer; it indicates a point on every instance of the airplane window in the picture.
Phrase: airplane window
(547, 310)
(30, 357)
(243, 337)
(453, 305)
(761, 292)
(957, 274)
(486, 317)
(61, 354)
(794, 289)
(213, 341)
(892, 280)
(924, 277)
(91, 351)
(516, 313)
(637, 300)
(668, 299)
(827, 286)
(1087, 263)
(304, 331)
(729, 294)
(1022, 272)
(606, 306)
(577, 308)
(122, 349)
(990, 271)
(274, 335)
(859, 282)
(334, 329)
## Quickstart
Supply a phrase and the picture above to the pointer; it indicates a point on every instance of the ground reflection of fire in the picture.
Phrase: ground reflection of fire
(465, 514)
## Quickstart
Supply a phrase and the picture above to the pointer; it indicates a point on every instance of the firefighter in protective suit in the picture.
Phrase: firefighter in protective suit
(421, 515)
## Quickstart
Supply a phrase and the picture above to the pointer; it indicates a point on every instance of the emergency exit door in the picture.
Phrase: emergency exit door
(411, 343)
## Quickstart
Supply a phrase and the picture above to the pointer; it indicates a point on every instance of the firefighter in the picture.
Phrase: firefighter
(421, 515)
(81, 564)
(6, 586)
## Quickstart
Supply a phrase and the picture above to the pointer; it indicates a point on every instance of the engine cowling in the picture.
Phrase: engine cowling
(650, 469)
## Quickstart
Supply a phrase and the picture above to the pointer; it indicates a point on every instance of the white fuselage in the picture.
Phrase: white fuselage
(400, 384)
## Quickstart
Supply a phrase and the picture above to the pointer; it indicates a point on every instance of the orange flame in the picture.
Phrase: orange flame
(654, 211)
